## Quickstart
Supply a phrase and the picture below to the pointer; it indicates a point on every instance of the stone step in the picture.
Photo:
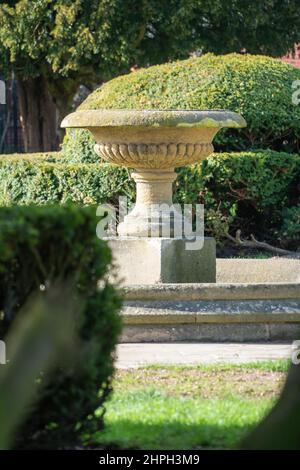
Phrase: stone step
(213, 291)
(211, 312)
(198, 311)
(247, 270)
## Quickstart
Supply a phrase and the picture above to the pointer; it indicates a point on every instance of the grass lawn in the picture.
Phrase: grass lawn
(193, 407)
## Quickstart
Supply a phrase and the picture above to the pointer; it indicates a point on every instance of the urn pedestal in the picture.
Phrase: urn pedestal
(164, 260)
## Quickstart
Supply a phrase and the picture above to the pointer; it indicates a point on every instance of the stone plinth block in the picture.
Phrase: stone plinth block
(164, 260)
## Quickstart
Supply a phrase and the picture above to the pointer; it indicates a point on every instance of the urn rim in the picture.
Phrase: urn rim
(217, 119)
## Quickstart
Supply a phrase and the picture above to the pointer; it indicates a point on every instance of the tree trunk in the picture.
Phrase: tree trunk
(38, 115)
(280, 430)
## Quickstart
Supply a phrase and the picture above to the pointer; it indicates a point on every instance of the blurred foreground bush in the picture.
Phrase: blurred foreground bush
(40, 246)
(42, 337)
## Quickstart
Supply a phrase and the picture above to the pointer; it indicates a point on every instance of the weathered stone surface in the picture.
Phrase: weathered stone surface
(154, 155)
(284, 331)
(222, 311)
(152, 118)
(154, 214)
(211, 312)
(233, 332)
(199, 291)
(258, 270)
(163, 260)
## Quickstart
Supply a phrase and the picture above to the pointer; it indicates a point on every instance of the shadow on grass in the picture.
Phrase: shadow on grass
(171, 435)
(152, 419)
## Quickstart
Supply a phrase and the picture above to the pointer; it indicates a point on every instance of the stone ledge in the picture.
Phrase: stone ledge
(217, 332)
(247, 270)
(233, 311)
(211, 312)
(180, 318)
(212, 291)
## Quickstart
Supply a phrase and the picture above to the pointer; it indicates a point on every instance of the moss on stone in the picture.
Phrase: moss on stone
(89, 118)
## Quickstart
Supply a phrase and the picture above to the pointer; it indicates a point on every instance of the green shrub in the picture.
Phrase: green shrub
(246, 190)
(249, 190)
(34, 157)
(258, 87)
(26, 182)
(78, 147)
(38, 246)
(290, 229)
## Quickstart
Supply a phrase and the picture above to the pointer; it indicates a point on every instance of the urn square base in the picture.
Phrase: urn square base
(164, 260)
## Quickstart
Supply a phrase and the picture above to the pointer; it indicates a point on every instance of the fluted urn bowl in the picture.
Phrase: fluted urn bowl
(153, 143)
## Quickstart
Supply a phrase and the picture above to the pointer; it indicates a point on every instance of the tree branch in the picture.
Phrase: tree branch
(253, 243)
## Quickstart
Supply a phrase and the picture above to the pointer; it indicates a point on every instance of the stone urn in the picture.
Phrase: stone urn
(153, 143)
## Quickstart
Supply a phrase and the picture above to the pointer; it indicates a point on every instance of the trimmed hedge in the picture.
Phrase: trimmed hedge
(34, 157)
(27, 181)
(38, 246)
(258, 87)
(248, 190)
(78, 147)
(290, 229)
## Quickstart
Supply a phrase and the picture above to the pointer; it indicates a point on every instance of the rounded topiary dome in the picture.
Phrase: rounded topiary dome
(258, 87)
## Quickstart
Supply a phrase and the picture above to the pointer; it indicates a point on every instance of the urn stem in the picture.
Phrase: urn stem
(154, 186)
